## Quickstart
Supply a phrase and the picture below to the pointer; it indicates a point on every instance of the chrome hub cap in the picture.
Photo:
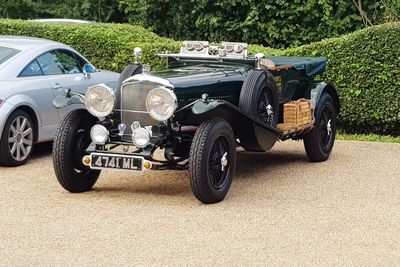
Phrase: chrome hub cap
(20, 138)
(224, 161)
(329, 127)
(270, 110)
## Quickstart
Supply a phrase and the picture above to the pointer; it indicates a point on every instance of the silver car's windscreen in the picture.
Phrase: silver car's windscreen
(6, 53)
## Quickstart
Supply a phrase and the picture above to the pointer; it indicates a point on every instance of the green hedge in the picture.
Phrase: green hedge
(365, 68)
(364, 65)
(108, 46)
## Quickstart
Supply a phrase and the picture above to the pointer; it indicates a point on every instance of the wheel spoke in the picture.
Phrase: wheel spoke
(23, 125)
(27, 142)
(18, 152)
(18, 126)
(23, 150)
(27, 132)
(12, 139)
(13, 148)
(13, 130)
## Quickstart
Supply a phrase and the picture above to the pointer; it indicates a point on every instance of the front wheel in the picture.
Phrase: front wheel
(212, 161)
(70, 144)
(17, 139)
(319, 142)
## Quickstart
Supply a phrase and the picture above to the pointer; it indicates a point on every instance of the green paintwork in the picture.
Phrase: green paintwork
(219, 80)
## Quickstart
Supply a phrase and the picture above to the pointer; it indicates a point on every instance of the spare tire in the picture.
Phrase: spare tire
(129, 71)
(259, 97)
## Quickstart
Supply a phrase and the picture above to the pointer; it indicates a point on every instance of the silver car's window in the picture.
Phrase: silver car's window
(6, 53)
(58, 62)
(33, 69)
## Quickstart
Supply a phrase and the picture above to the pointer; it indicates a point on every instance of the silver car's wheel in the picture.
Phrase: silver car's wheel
(17, 139)
(20, 138)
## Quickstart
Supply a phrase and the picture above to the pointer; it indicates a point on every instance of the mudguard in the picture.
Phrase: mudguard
(316, 91)
(253, 135)
(63, 101)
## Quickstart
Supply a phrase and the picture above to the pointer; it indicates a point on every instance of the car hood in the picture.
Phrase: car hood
(202, 74)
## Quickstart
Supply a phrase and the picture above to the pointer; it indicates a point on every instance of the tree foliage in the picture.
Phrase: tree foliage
(275, 23)
(96, 10)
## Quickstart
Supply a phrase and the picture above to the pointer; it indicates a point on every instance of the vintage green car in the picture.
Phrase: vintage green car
(206, 103)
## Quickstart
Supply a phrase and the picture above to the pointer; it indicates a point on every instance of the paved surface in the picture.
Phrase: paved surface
(281, 210)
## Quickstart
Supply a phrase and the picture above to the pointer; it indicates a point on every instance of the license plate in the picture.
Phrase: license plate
(117, 162)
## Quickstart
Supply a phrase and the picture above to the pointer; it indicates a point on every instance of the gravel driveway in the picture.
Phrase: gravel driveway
(281, 210)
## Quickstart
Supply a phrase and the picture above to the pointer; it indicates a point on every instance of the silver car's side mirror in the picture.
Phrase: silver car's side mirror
(88, 69)
(138, 53)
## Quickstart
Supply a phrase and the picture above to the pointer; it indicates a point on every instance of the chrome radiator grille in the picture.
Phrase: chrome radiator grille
(133, 106)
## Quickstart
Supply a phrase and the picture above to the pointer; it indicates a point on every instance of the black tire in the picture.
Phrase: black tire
(319, 142)
(258, 92)
(129, 71)
(70, 143)
(213, 141)
(17, 139)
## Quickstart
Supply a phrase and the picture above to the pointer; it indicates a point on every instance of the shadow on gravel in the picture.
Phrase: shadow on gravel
(249, 163)
(42, 150)
(176, 183)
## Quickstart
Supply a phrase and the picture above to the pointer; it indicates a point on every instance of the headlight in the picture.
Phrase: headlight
(161, 103)
(141, 137)
(100, 100)
(99, 134)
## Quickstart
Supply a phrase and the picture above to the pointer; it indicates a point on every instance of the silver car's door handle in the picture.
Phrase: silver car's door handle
(57, 86)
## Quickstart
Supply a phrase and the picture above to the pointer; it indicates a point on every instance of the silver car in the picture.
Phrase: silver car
(32, 73)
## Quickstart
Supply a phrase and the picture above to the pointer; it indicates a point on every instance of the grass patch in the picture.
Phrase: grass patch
(368, 137)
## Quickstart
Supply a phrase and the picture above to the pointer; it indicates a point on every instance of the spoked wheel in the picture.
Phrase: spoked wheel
(266, 106)
(212, 161)
(319, 142)
(325, 129)
(219, 162)
(70, 144)
(259, 97)
(17, 139)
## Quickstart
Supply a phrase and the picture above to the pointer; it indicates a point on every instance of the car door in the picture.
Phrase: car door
(64, 72)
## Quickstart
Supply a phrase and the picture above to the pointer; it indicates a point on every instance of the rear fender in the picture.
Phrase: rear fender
(315, 93)
(253, 135)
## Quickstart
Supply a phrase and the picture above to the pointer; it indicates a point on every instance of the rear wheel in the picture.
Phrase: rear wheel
(259, 97)
(319, 142)
(212, 161)
(17, 139)
(70, 144)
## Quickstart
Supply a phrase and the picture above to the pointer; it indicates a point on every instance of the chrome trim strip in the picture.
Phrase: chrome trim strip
(148, 78)
(132, 111)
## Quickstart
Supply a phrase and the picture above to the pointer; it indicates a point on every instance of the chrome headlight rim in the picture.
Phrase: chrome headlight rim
(91, 109)
(101, 129)
(174, 103)
(144, 131)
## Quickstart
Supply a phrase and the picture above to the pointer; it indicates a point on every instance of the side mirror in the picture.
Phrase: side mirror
(88, 69)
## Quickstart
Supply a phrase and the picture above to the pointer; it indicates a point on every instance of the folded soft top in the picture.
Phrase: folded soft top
(312, 66)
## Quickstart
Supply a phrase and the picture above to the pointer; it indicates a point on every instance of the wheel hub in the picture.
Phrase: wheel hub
(270, 110)
(19, 138)
(329, 128)
(224, 161)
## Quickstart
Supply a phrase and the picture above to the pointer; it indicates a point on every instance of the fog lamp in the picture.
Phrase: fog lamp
(141, 137)
(99, 134)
